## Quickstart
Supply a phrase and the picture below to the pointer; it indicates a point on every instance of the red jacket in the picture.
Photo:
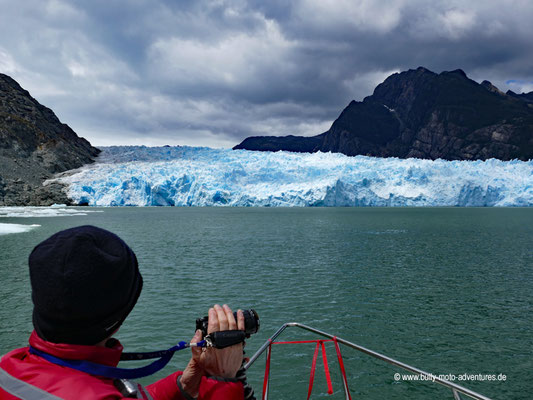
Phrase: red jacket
(20, 368)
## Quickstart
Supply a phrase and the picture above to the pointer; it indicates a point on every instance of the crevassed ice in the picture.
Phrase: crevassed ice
(194, 176)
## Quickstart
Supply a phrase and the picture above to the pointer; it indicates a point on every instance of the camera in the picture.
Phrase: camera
(251, 322)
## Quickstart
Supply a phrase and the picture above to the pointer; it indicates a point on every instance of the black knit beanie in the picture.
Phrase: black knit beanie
(85, 281)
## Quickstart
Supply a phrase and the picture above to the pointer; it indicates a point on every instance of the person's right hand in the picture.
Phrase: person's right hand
(221, 362)
(210, 361)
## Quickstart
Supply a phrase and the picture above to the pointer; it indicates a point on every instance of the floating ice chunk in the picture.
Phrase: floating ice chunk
(199, 176)
(52, 211)
(6, 229)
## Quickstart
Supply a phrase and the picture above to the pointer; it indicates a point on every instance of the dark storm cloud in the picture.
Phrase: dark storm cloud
(213, 72)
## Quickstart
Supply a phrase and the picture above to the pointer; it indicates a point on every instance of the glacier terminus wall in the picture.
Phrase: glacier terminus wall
(199, 176)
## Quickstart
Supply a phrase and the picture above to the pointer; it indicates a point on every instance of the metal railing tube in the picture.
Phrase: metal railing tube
(265, 345)
(444, 382)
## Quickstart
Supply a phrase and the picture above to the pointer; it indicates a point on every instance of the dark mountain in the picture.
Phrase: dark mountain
(298, 144)
(527, 97)
(34, 145)
(419, 113)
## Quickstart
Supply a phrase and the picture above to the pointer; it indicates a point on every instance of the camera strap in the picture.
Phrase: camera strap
(217, 340)
(222, 339)
(164, 356)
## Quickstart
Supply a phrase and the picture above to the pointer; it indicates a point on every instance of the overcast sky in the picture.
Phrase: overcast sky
(210, 73)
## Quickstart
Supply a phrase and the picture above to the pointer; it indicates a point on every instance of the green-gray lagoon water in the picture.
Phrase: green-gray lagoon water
(448, 290)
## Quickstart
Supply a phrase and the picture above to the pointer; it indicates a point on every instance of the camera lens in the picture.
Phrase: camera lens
(251, 321)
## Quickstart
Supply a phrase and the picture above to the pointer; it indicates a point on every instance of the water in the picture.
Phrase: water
(447, 290)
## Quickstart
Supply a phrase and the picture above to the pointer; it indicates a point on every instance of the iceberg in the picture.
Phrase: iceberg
(200, 176)
(6, 229)
(55, 210)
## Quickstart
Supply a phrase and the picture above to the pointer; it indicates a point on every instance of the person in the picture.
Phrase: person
(85, 281)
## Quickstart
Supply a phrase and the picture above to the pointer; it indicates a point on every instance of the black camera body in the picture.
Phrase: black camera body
(251, 322)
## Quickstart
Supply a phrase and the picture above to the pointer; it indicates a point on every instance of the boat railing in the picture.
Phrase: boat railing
(457, 390)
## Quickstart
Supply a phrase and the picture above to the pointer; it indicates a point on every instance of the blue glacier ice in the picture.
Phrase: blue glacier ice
(199, 176)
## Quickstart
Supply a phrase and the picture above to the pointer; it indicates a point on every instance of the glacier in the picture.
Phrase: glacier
(200, 176)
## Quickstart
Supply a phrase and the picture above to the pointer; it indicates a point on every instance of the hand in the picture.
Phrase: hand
(210, 361)
(221, 362)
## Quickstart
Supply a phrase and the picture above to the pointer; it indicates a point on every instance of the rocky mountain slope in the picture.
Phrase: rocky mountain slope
(419, 113)
(528, 97)
(34, 145)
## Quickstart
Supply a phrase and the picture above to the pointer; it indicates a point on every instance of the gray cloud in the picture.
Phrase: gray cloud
(214, 72)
